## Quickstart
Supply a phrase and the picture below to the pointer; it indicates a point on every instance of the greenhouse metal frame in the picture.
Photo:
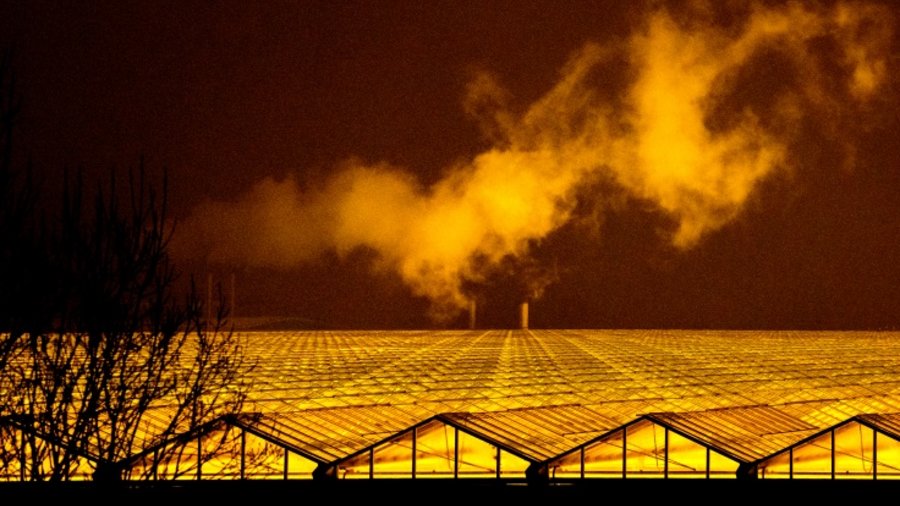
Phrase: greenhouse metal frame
(543, 405)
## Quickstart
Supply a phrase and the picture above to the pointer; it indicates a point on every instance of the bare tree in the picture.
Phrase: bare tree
(106, 360)
(20, 266)
(20, 229)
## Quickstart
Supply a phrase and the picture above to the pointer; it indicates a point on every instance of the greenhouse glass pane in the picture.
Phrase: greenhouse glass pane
(393, 459)
(178, 462)
(355, 468)
(221, 454)
(687, 459)
(888, 457)
(80, 469)
(300, 467)
(603, 459)
(645, 450)
(512, 466)
(813, 459)
(853, 452)
(10, 454)
(567, 466)
(263, 460)
(777, 467)
(477, 459)
(435, 450)
(721, 466)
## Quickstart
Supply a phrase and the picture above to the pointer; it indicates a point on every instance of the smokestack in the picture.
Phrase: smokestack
(473, 311)
(523, 315)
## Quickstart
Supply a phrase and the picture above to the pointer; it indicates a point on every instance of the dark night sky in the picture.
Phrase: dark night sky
(224, 94)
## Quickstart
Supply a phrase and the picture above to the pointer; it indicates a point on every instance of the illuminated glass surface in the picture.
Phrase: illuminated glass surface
(538, 394)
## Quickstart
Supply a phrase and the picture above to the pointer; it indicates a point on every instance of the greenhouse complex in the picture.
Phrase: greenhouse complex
(550, 405)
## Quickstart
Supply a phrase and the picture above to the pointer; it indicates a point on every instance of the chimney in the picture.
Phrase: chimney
(523, 315)
(473, 312)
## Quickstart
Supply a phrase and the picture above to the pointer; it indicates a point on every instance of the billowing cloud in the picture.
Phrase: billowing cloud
(656, 139)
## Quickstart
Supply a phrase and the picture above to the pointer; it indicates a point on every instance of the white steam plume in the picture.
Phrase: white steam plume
(655, 141)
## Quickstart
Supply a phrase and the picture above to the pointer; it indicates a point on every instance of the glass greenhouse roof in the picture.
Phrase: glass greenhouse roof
(349, 389)
(327, 396)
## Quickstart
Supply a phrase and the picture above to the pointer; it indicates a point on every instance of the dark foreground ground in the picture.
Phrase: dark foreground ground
(465, 492)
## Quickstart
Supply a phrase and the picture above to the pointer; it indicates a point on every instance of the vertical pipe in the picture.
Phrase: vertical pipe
(666, 453)
(455, 453)
(832, 454)
(286, 457)
(523, 315)
(624, 451)
(155, 465)
(199, 457)
(414, 453)
(371, 463)
(791, 463)
(23, 462)
(582, 462)
(243, 453)
(498, 462)
(874, 454)
(707, 462)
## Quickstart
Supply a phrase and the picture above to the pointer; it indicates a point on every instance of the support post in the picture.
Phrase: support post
(666, 453)
(243, 454)
(832, 454)
(455, 453)
(414, 453)
(199, 457)
(23, 462)
(707, 462)
(874, 454)
(791, 463)
(582, 462)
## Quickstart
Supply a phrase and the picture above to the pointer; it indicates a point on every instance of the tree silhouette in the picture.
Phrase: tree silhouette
(100, 358)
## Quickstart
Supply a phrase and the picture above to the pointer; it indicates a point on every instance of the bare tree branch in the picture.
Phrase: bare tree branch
(100, 358)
